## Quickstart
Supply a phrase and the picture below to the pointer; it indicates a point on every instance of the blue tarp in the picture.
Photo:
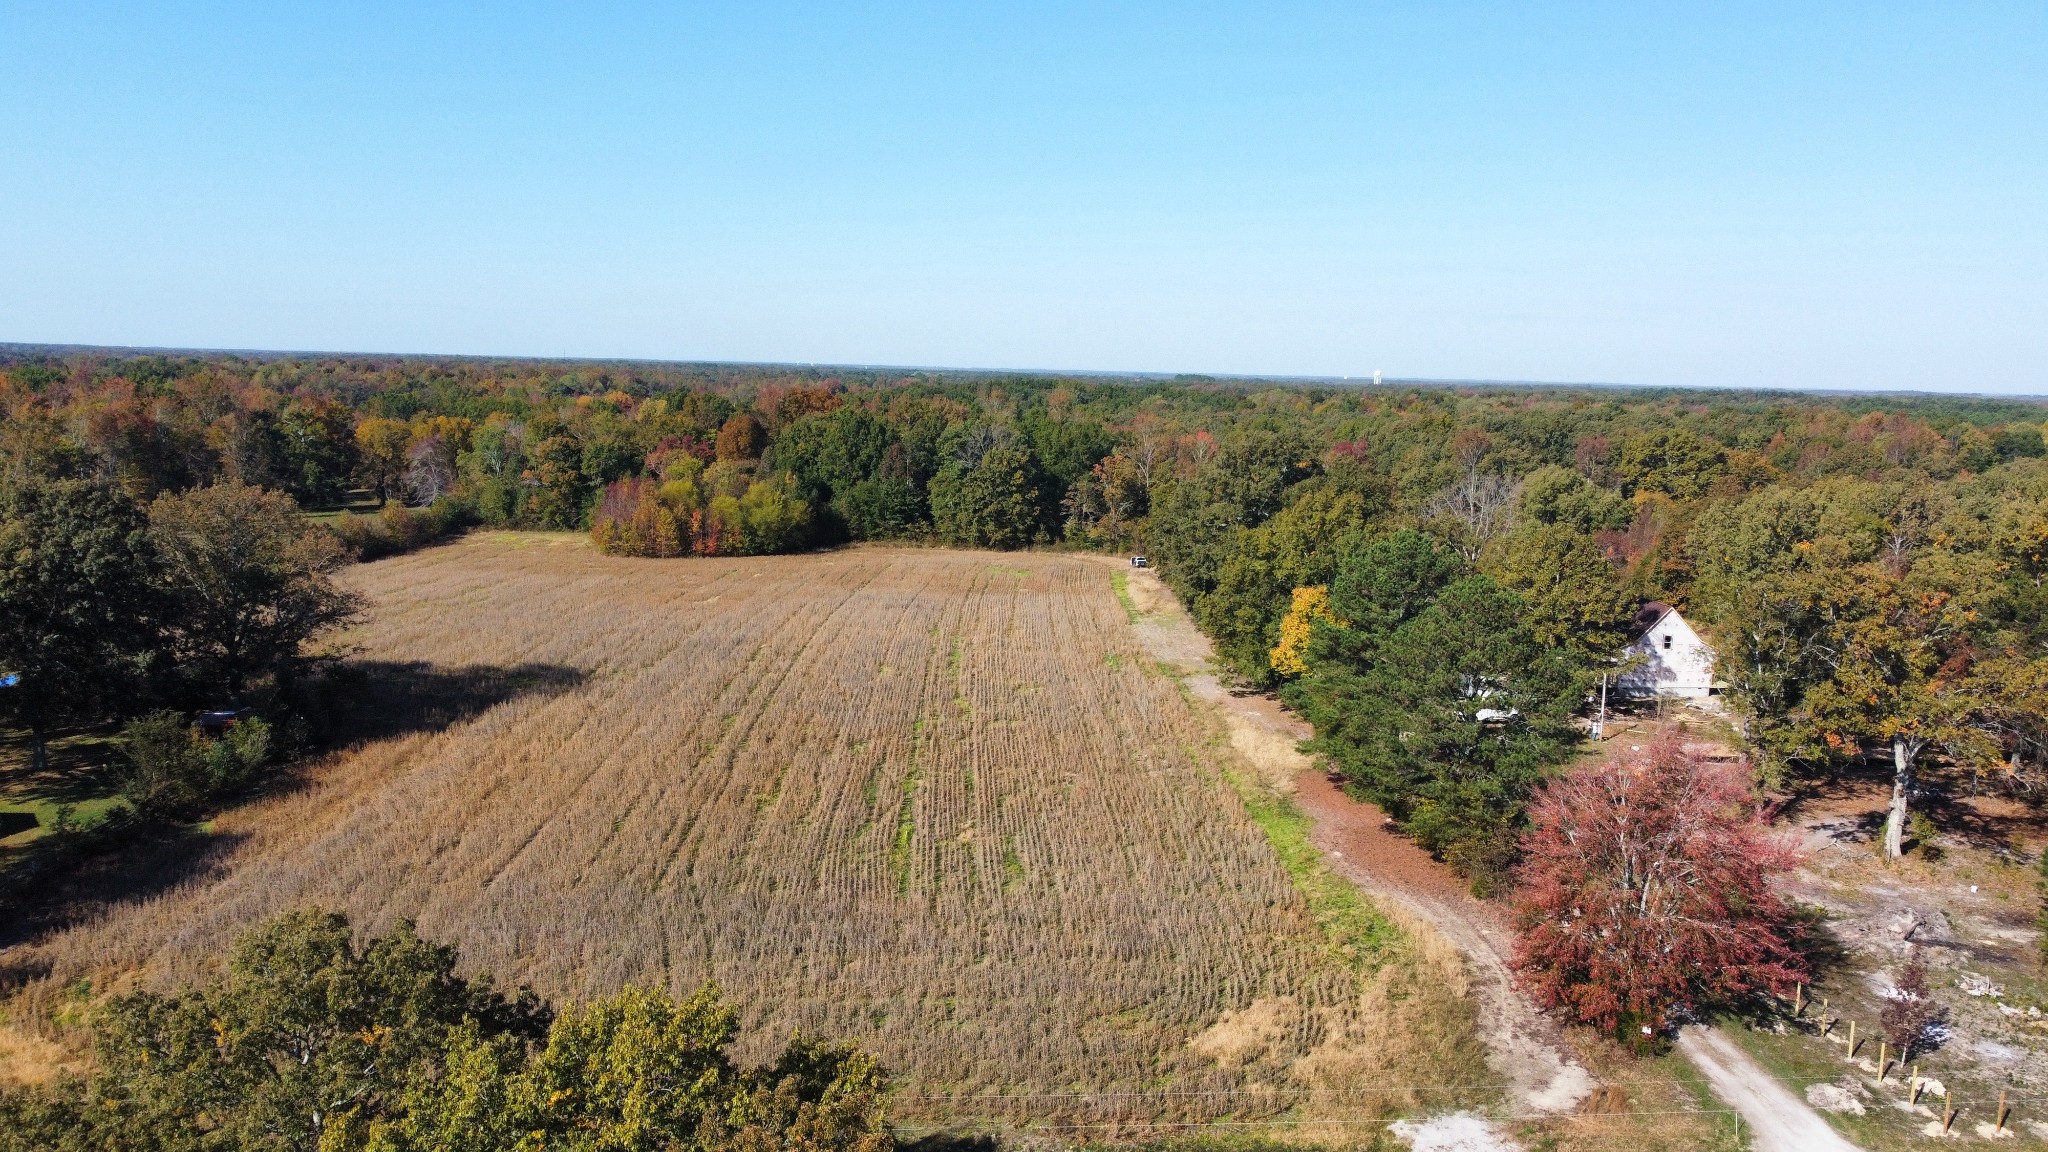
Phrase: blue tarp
(9, 679)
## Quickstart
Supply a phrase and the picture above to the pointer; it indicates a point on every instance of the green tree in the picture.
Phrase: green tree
(1255, 464)
(773, 518)
(558, 491)
(492, 467)
(1574, 595)
(77, 602)
(1067, 449)
(836, 458)
(635, 1071)
(318, 447)
(1189, 536)
(993, 497)
(880, 507)
(1298, 548)
(1436, 701)
(612, 450)
(246, 581)
(1552, 495)
(1900, 677)
(1774, 590)
(1673, 461)
(173, 770)
(304, 1043)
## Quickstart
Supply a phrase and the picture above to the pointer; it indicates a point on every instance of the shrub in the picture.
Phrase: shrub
(173, 769)
(1646, 893)
(1910, 1017)
(397, 528)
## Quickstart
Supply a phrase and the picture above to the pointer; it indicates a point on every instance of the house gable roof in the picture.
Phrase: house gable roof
(1648, 617)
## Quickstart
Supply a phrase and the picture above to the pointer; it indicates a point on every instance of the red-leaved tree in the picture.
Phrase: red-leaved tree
(1647, 891)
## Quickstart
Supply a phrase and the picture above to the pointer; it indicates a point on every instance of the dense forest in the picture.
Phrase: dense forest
(1438, 577)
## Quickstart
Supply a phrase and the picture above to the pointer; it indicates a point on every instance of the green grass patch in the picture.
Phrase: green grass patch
(906, 828)
(52, 816)
(1013, 865)
(1354, 928)
(77, 794)
(1121, 581)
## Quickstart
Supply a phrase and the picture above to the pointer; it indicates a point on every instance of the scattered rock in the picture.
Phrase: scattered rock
(1833, 1098)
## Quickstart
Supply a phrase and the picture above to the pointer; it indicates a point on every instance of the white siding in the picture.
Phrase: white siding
(1676, 662)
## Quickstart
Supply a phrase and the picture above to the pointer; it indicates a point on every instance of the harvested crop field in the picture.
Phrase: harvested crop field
(934, 801)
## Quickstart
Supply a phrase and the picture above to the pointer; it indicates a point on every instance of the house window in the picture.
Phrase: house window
(1667, 641)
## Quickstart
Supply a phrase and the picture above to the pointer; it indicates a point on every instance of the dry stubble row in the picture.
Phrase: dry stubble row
(930, 800)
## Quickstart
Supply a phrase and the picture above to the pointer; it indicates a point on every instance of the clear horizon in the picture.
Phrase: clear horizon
(1835, 198)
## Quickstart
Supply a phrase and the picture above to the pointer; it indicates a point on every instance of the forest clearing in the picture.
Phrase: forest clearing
(938, 802)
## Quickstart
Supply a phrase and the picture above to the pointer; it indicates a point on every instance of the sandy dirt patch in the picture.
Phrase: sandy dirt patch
(1454, 1132)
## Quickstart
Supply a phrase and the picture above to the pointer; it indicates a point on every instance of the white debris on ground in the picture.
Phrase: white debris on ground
(1453, 1132)
(1978, 984)
(1833, 1098)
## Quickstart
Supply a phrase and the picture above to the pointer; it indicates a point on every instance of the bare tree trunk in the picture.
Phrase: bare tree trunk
(39, 762)
(1902, 782)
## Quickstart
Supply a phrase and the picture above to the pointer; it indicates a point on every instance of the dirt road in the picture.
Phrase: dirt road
(1524, 1046)
(1778, 1120)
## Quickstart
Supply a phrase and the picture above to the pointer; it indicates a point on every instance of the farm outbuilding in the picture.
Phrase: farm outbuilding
(1672, 658)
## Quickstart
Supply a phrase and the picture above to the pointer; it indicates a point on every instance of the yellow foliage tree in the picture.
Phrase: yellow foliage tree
(1290, 656)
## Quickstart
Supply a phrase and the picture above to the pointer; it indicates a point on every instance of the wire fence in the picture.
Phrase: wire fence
(2000, 1110)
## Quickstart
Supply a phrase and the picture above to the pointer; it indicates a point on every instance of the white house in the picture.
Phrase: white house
(1674, 660)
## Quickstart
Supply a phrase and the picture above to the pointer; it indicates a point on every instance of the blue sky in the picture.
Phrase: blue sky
(1844, 196)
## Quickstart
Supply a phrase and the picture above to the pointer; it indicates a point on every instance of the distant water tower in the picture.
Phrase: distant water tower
(1375, 377)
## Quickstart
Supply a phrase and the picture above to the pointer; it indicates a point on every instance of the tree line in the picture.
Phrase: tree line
(313, 1040)
(1438, 579)
(1868, 569)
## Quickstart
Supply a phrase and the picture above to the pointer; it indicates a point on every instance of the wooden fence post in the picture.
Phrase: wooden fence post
(1998, 1125)
(1852, 1039)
